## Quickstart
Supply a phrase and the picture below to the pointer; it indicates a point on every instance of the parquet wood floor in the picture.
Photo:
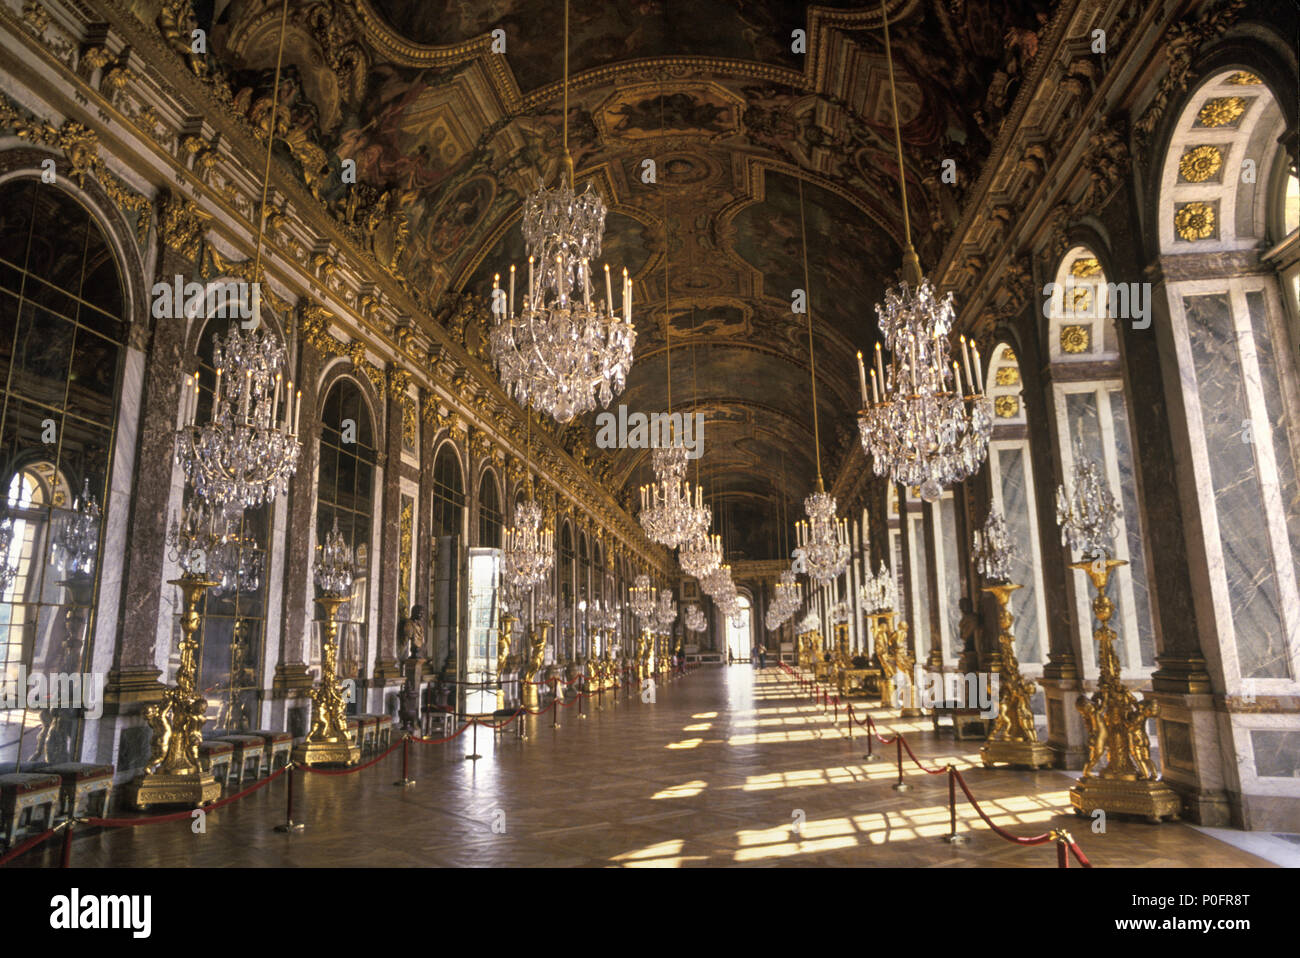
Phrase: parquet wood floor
(716, 772)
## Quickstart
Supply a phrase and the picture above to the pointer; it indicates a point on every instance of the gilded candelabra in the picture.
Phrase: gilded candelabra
(905, 665)
(531, 694)
(1116, 723)
(643, 647)
(328, 742)
(1014, 739)
(175, 775)
(505, 639)
(882, 634)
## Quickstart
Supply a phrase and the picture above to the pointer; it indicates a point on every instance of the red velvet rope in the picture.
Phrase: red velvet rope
(188, 813)
(1035, 840)
(1078, 853)
(26, 846)
(928, 771)
(495, 728)
(440, 741)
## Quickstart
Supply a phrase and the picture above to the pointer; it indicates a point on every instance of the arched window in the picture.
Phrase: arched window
(894, 522)
(489, 512)
(1092, 413)
(1015, 497)
(948, 567)
(63, 330)
(567, 577)
(1227, 189)
(917, 579)
(345, 495)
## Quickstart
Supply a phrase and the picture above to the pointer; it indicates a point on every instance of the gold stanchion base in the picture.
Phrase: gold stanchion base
(1152, 800)
(326, 753)
(1025, 754)
(910, 712)
(161, 788)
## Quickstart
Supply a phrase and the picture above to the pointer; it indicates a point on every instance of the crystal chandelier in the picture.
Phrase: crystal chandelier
(700, 555)
(917, 425)
(716, 583)
(248, 450)
(563, 350)
(840, 614)
(334, 568)
(667, 513)
(992, 549)
(77, 544)
(1088, 515)
(670, 513)
(787, 599)
(694, 618)
(643, 598)
(529, 548)
(665, 612)
(544, 605)
(823, 538)
(879, 593)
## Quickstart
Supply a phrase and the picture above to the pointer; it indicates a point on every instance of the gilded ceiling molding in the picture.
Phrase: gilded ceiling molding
(80, 145)
(1181, 43)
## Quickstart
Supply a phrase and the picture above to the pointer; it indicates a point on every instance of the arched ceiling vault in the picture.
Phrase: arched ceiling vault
(448, 137)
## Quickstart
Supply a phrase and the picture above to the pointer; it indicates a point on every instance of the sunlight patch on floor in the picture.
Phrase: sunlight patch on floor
(685, 790)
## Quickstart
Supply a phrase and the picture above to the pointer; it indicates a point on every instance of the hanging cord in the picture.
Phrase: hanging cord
(568, 160)
(812, 365)
(911, 265)
(668, 316)
(270, 142)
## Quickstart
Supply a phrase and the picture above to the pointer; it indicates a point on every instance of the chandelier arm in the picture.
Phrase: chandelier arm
(270, 142)
(568, 160)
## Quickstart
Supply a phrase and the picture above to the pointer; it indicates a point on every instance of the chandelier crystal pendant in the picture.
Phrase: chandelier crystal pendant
(665, 613)
(879, 593)
(694, 619)
(920, 425)
(334, 568)
(563, 350)
(716, 583)
(1088, 514)
(992, 549)
(248, 450)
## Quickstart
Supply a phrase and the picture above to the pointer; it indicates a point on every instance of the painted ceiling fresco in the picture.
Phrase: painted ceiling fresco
(448, 138)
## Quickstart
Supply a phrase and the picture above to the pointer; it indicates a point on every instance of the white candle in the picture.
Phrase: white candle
(609, 295)
(586, 286)
(512, 289)
(297, 411)
(880, 367)
(979, 371)
(532, 293)
(965, 355)
(862, 378)
(627, 297)
(216, 395)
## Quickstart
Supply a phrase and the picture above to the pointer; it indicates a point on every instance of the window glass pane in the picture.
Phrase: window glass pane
(1135, 573)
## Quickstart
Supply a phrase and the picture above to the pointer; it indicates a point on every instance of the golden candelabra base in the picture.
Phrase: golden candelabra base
(1128, 783)
(175, 775)
(1152, 800)
(328, 742)
(163, 788)
(326, 753)
(1014, 738)
(1022, 754)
